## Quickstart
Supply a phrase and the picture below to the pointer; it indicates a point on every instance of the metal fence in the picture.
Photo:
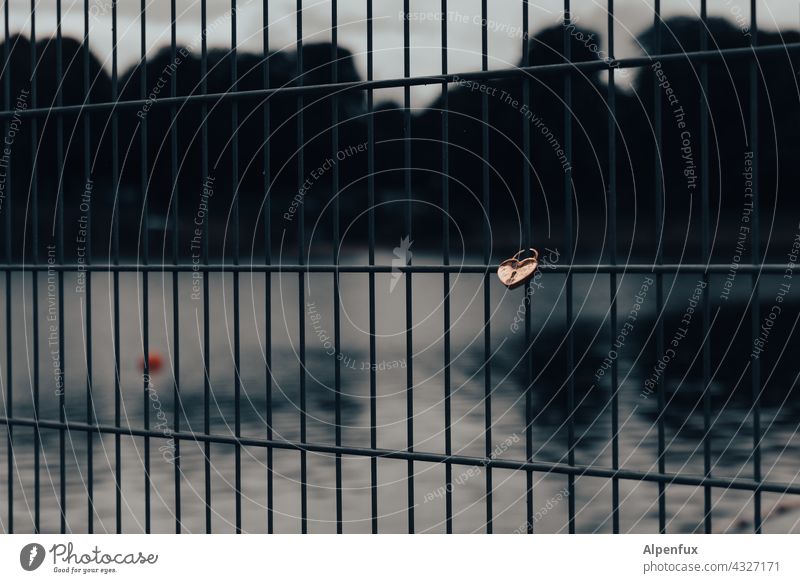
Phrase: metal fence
(36, 262)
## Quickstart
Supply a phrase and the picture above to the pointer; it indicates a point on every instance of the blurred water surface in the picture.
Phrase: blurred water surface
(731, 435)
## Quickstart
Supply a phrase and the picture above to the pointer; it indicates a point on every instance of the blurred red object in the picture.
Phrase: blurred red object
(154, 360)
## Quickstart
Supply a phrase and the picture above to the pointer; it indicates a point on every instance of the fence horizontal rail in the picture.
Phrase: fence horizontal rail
(347, 86)
(507, 464)
(668, 268)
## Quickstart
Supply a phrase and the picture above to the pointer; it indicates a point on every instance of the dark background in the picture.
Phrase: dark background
(638, 155)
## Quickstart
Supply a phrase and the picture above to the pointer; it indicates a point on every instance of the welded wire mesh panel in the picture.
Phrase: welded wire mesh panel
(251, 251)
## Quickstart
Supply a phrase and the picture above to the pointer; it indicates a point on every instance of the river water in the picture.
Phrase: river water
(730, 344)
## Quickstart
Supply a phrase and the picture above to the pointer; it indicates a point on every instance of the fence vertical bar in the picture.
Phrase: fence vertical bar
(568, 235)
(487, 233)
(177, 405)
(34, 204)
(87, 172)
(59, 237)
(373, 378)
(115, 174)
(659, 260)
(145, 254)
(448, 436)
(409, 301)
(528, 236)
(206, 272)
(755, 308)
(301, 254)
(612, 228)
(237, 379)
(705, 218)
(268, 261)
(8, 239)
(336, 300)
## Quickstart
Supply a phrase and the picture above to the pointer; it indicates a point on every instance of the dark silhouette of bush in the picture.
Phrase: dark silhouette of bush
(508, 112)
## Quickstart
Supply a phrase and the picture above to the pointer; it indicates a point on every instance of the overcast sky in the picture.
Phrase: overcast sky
(463, 37)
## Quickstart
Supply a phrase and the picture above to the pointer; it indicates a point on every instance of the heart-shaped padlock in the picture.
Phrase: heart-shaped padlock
(514, 272)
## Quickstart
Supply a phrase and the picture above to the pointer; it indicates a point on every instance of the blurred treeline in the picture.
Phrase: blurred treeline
(144, 147)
